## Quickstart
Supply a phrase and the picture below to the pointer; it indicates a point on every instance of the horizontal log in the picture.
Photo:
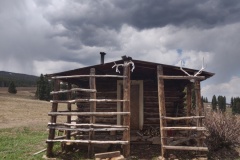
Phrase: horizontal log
(73, 90)
(152, 120)
(182, 118)
(182, 77)
(87, 113)
(99, 120)
(107, 155)
(98, 109)
(87, 100)
(168, 92)
(167, 99)
(176, 138)
(85, 76)
(87, 129)
(64, 136)
(186, 148)
(185, 128)
(156, 103)
(168, 110)
(87, 141)
(87, 125)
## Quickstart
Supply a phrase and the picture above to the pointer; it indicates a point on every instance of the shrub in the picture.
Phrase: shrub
(12, 88)
(223, 130)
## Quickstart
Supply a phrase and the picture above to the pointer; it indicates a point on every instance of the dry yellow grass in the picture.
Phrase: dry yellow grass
(22, 109)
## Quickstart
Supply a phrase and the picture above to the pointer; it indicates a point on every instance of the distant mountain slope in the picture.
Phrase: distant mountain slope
(20, 80)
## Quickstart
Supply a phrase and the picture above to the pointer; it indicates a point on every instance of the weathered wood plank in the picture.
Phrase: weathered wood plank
(87, 141)
(186, 148)
(53, 119)
(126, 107)
(182, 118)
(69, 106)
(92, 84)
(184, 128)
(73, 90)
(87, 100)
(162, 111)
(107, 155)
(87, 129)
(86, 76)
(87, 125)
(87, 113)
(182, 77)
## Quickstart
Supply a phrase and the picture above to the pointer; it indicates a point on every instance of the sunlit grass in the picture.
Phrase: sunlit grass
(21, 143)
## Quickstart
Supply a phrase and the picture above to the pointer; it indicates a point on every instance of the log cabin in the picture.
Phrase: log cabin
(155, 96)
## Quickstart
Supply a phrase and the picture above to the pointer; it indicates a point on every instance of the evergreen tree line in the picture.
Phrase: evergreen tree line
(219, 103)
(204, 99)
(20, 80)
(44, 87)
(235, 104)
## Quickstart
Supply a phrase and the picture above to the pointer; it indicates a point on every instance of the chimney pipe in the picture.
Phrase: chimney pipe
(102, 57)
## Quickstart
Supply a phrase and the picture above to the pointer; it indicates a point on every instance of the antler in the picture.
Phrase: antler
(117, 65)
(200, 71)
(128, 63)
(183, 69)
(133, 66)
(196, 74)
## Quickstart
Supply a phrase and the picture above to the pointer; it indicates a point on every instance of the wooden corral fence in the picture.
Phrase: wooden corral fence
(167, 142)
(91, 127)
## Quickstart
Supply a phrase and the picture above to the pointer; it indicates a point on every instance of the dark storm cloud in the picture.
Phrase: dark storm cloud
(97, 23)
(204, 13)
(144, 14)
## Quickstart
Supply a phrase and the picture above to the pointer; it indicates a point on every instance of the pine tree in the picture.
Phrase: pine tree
(236, 105)
(222, 103)
(12, 88)
(43, 88)
(214, 103)
(231, 101)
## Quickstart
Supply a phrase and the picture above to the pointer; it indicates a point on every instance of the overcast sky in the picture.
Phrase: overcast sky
(46, 36)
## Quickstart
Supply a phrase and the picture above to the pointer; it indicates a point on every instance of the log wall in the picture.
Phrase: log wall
(174, 100)
(108, 89)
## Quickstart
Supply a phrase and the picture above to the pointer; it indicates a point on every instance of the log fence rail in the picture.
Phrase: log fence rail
(71, 129)
(198, 129)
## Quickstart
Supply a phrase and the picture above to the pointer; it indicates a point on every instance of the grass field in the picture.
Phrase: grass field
(23, 124)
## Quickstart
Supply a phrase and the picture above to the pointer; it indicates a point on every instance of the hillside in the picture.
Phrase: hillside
(20, 80)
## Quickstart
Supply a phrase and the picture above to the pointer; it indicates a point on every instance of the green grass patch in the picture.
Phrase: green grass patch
(22, 143)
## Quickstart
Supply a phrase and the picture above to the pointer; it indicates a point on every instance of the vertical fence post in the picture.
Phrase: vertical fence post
(53, 119)
(189, 101)
(126, 108)
(92, 84)
(198, 107)
(162, 110)
(69, 95)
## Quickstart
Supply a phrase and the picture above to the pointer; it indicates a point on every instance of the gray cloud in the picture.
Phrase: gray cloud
(46, 35)
(146, 14)
(97, 23)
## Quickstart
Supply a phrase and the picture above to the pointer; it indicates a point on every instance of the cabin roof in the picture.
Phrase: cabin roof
(143, 70)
